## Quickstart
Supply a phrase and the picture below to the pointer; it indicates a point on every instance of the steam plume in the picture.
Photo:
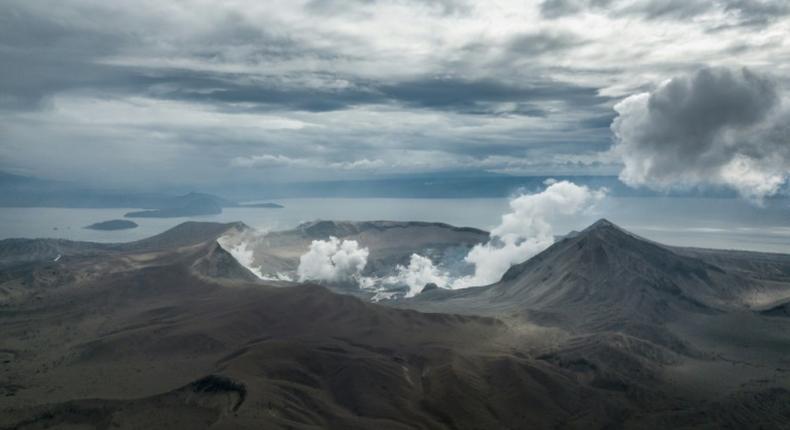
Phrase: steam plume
(333, 260)
(526, 230)
(420, 272)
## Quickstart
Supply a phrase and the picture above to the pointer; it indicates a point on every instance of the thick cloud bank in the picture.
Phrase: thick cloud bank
(333, 260)
(526, 230)
(716, 127)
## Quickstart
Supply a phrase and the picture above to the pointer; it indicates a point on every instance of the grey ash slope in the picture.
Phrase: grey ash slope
(636, 315)
(29, 264)
(20, 251)
(170, 333)
(632, 278)
(171, 337)
(605, 267)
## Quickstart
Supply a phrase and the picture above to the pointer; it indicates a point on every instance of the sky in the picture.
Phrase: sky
(663, 93)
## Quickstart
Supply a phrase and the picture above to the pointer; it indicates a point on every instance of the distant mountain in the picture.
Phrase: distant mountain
(192, 204)
(450, 185)
(261, 205)
(32, 192)
(439, 185)
(21, 191)
(115, 224)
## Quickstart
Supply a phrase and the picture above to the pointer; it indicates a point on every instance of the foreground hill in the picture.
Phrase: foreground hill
(149, 335)
(171, 332)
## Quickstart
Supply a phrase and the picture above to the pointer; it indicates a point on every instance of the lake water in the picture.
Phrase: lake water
(702, 222)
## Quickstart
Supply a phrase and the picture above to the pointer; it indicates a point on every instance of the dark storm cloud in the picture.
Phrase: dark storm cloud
(43, 77)
(598, 122)
(758, 11)
(747, 12)
(463, 95)
(534, 44)
(442, 7)
(560, 8)
(44, 57)
(668, 9)
(264, 94)
(185, 87)
(715, 126)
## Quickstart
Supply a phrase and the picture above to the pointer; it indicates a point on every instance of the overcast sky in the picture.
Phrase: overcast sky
(152, 91)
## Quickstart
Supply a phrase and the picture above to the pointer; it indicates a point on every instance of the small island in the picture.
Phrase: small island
(115, 224)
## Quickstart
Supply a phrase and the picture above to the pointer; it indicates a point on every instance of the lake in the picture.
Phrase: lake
(703, 222)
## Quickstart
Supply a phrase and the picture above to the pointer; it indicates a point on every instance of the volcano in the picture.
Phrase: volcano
(602, 330)
(604, 277)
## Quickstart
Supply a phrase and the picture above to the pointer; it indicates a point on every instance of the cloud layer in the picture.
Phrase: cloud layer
(247, 91)
(716, 126)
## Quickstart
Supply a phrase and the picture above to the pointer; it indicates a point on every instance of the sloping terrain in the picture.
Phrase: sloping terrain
(604, 276)
(178, 338)
(710, 324)
(602, 330)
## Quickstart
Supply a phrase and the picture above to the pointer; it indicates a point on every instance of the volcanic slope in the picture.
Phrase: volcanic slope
(171, 332)
(605, 277)
(147, 335)
(704, 325)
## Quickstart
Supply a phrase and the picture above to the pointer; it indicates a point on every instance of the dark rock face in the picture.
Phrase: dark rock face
(216, 384)
(116, 224)
(612, 274)
(219, 264)
(428, 287)
(605, 277)
(782, 310)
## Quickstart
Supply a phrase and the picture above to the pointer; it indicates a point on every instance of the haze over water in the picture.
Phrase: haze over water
(700, 222)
